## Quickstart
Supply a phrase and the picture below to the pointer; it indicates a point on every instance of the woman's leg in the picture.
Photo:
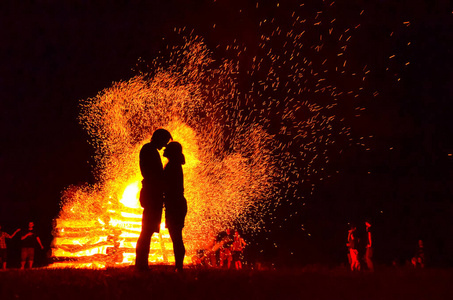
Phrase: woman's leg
(178, 247)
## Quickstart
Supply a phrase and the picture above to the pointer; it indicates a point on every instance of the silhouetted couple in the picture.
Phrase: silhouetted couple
(161, 186)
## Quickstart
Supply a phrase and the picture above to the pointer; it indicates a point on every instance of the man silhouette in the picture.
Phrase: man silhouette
(28, 246)
(151, 194)
(353, 245)
(369, 247)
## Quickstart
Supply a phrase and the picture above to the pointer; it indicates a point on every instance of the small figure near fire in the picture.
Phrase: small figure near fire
(225, 249)
(3, 249)
(174, 201)
(369, 247)
(353, 251)
(151, 194)
(418, 261)
(238, 248)
(29, 240)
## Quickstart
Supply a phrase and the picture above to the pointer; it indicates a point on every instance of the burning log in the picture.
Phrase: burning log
(105, 242)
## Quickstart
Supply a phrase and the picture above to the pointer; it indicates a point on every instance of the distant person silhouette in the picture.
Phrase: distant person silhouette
(29, 240)
(369, 247)
(238, 248)
(3, 249)
(175, 203)
(226, 249)
(151, 194)
(419, 258)
(353, 245)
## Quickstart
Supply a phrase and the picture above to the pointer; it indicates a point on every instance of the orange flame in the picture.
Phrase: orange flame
(100, 224)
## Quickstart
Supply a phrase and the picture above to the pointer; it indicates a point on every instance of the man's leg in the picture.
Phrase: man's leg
(23, 258)
(3, 258)
(222, 257)
(143, 243)
(30, 256)
(368, 257)
(354, 260)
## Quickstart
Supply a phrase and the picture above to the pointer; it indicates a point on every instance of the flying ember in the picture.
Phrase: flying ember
(252, 134)
(100, 224)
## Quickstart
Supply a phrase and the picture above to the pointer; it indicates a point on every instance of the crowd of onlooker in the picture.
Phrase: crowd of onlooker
(357, 258)
(226, 251)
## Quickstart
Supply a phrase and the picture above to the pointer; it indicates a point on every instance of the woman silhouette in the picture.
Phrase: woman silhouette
(174, 201)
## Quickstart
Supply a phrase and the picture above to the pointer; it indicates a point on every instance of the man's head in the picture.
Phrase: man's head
(30, 225)
(368, 223)
(160, 138)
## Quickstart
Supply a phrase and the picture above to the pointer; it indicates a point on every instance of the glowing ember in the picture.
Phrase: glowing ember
(219, 186)
(246, 148)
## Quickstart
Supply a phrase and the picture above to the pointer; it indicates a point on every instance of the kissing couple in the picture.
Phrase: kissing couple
(161, 186)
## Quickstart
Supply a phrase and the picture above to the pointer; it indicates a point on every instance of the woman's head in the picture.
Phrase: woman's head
(173, 152)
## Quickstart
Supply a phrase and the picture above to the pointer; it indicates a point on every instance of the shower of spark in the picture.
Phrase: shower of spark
(254, 128)
(221, 182)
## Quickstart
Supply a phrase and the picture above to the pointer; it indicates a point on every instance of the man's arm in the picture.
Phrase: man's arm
(25, 236)
(39, 242)
(151, 165)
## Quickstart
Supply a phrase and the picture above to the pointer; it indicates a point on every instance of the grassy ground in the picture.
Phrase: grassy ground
(162, 283)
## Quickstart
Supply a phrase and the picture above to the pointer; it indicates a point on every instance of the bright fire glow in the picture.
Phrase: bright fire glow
(248, 146)
(130, 197)
(219, 185)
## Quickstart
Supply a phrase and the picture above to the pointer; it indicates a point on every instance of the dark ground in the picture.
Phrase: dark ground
(162, 283)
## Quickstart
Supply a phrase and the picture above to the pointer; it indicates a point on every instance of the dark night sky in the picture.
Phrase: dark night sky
(54, 55)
